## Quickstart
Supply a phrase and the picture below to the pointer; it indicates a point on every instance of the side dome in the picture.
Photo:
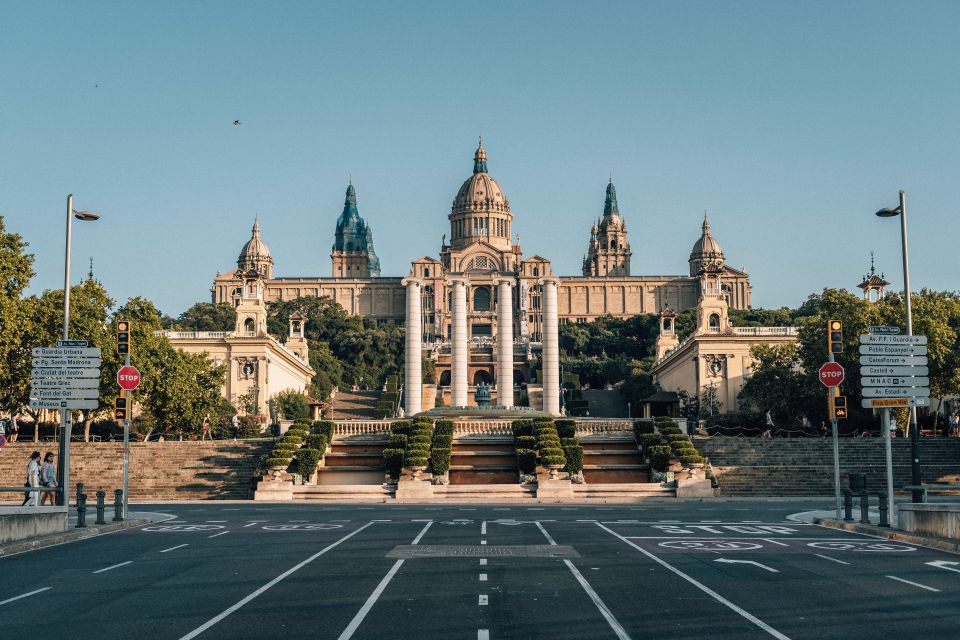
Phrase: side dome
(706, 254)
(255, 254)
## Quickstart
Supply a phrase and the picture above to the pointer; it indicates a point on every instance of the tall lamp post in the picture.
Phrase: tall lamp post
(66, 429)
(901, 211)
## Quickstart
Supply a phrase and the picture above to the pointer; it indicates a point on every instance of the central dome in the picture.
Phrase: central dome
(480, 193)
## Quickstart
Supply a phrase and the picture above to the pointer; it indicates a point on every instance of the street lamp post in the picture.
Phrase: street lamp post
(65, 426)
(901, 211)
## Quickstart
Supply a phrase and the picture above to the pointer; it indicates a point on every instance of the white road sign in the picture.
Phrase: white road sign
(884, 330)
(65, 383)
(870, 338)
(64, 404)
(888, 403)
(894, 360)
(896, 392)
(892, 350)
(62, 352)
(894, 371)
(55, 372)
(70, 362)
(64, 394)
(894, 381)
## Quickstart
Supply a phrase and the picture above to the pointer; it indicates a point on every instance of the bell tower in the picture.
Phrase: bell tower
(252, 310)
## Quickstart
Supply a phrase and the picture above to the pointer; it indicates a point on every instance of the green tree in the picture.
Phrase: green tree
(206, 316)
(780, 386)
(16, 270)
(292, 405)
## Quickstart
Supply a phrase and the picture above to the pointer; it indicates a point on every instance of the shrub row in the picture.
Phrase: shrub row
(410, 444)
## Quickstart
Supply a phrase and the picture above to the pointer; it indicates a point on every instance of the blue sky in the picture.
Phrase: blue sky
(790, 122)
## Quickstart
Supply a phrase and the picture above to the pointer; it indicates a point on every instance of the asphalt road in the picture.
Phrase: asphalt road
(737, 570)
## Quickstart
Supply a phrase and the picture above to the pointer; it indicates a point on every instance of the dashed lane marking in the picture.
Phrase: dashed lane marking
(483, 577)
(482, 600)
(483, 528)
(122, 564)
(483, 634)
(771, 541)
(915, 584)
(179, 546)
(250, 525)
(483, 562)
(24, 595)
(222, 533)
(831, 559)
(215, 521)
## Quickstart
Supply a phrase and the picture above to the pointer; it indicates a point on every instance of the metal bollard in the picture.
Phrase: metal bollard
(81, 511)
(79, 492)
(101, 494)
(864, 507)
(884, 515)
(118, 505)
(847, 505)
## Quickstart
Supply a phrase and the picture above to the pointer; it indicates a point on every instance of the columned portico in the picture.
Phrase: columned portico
(551, 348)
(458, 342)
(413, 384)
(504, 341)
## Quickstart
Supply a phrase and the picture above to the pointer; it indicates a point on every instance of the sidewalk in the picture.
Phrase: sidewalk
(72, 534)
(829, 519)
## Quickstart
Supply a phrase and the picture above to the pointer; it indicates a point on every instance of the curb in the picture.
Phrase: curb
(71, 535)
(942, 544)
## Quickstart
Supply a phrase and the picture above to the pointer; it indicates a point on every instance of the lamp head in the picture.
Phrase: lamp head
(86, 216)
(888, 212)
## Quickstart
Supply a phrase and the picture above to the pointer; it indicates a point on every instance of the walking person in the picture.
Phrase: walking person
(207, 432)
(48, 478)
(235, 425)
(31, 499)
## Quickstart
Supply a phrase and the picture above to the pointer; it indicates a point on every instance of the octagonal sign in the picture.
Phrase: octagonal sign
(128, 377)
(831, 374)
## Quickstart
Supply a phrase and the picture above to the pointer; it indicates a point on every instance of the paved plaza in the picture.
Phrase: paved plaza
(731, 569)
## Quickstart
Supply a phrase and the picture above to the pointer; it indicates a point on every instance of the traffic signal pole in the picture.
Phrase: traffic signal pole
(836, 444)
(126, 448)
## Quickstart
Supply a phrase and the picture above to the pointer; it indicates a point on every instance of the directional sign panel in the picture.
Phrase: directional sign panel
(64, 404)
(66, 362)
(869, 338)
(61, 352)
(65, 383)
(889, 331)
(894, 381)
(64, 394)
(896, 392)
(894, 371)
(55, 372)
(73, 343)
(894, 403)
(892, 350)
(894, 360)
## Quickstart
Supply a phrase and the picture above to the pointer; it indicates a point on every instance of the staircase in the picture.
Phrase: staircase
(613, 462)
(353, 461)
(605, 404)
(486, 460)
(353, 405)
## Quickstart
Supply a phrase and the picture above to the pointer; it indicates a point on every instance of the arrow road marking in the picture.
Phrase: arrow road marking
(762, 566)
(942, 564)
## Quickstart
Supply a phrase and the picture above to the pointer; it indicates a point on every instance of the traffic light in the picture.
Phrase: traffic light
(123, 337)
(120, 408)
(839, 409)
(834, 336)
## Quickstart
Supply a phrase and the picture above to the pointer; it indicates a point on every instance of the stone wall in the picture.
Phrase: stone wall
(804, 466)
(158, 470)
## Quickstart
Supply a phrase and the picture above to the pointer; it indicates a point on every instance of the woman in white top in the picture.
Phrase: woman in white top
(33, 480)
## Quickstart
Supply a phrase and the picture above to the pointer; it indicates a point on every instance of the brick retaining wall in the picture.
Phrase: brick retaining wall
(804, 466)
(158, 470)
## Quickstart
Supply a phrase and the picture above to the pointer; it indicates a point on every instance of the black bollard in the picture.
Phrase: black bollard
(81, 511)
(79, 492)
(884, 511)
(118, 505)
(847, 505)
(864, 507)
(101, 494)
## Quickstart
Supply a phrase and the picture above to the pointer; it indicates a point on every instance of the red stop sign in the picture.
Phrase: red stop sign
(831, 374)
(128, 377)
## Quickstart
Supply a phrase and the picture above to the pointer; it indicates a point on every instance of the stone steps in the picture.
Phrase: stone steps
(626, 492)
(344, 493)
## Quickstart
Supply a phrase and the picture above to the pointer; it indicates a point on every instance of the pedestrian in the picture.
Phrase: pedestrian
(235, 424)
(13, 429)
(33, 480)
(207, 431)
(48, 478)
(955, 424)
(823, 429)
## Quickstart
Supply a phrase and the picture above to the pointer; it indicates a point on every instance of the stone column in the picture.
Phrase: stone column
(504, 341)
(551, 348)
(413, 353)
(458, 344)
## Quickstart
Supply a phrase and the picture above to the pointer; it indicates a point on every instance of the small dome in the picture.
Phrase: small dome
(254, 250)
(706, 252)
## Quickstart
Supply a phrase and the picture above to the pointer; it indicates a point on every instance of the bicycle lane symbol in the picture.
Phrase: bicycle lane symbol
(183, 527)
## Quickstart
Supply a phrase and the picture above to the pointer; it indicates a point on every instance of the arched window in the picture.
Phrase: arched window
(481, 299)
(714, 322)
(426, 272)
(667, 323)
(248, 325)
(536, 272)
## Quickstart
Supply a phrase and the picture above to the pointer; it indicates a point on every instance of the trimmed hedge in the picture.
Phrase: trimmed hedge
(292, 439)
(641, 427)
(660, 457)
(307, 461)
(397, 440)
(277, 462)
(574, 456)
(326, 428)
(566, 428)
(694, 458)
(526, 460)
(650, 440)
(402, 427)
(415, 458)
(443, 427)
(526, 442)
(317, 441)
(522, 428)
(393, 461)
(440, 460)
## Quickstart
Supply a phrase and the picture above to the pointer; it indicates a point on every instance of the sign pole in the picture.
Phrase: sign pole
(126, 447)
(65, 427)
(887, 445)
(836, 446)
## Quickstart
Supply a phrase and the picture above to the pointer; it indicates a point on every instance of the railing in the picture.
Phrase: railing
(359, 428)
(193, 335)
(765, 331)
(483, 427)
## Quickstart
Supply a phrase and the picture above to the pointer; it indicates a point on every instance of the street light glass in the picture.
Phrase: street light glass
(86, 216)
(889, 212)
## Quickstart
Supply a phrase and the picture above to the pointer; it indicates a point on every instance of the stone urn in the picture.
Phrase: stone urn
(554, 470)
(418, 470)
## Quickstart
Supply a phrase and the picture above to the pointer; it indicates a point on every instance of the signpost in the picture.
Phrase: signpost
(894, 374)
(831, 374)
(128, 378)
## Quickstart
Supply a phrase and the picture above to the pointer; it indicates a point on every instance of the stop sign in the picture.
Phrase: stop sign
(128, 377)
(831, 374)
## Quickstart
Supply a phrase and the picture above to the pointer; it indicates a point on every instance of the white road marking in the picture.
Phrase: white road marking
(483, 542)
(179, 546)
(483, 577)
(916, 584)
(365, 609)
(219, 534)
(25, 595)
(943, 564)
(772, 541)
(214, 620)
(468, 509)
(214, 520)
(482, 600)
(483, 634)
(250, 525)
(231, 509)
(114, 566)
(820, 555)
(607, 614)
(483, 562)
(503, 509)
(753, 562)
(716, 596)
(483, 528)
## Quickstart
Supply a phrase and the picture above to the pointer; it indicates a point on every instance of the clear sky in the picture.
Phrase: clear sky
(791, 122)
